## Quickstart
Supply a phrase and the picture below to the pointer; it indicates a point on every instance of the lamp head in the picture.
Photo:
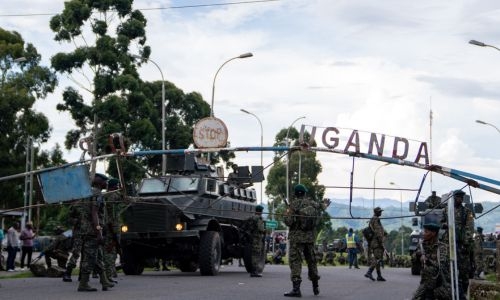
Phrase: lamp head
(474, 42)
(245, 55)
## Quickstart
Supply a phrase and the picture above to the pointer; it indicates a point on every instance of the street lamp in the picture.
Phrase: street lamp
(244, 55)
(401, 226)
(163, 107)
(484, 123)
(288, 158)
(374, 186)
(261, 145)
(481, 44)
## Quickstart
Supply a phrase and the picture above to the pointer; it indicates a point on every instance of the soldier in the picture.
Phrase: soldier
(111, 229)
(91, 232)
(58, 249)
(464, 239)
(433, 201)
(302, 218)
(478, 253)
(254, 231)
(435, 275)
(75, 214)
(376, 245)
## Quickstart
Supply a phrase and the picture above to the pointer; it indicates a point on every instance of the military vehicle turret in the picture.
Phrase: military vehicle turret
(191, 217)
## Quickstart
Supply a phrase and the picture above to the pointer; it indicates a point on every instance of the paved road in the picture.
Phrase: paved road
(232, 283)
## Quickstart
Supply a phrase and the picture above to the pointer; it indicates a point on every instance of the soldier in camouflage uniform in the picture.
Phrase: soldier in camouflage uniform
(91, 232)
(478, 253)
(464, 231)
(58, 249)
(254, 231)
(301, 217)
(376, 245)
(111, 229)
(435, 276)
(75, 215)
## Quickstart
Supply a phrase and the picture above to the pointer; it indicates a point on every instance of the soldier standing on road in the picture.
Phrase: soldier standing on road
(464, 238)
(75, 215)
(376, 245)
(301, 217)
(111, 229)
(91, 232)
(254, 230)
(478, 253)
(435, 274)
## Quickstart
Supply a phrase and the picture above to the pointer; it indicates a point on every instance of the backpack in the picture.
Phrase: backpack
(368, 233)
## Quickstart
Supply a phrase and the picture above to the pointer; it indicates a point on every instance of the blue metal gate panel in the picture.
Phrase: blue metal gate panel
(65, 184)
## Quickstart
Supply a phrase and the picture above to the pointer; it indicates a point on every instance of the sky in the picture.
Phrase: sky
(378, 67)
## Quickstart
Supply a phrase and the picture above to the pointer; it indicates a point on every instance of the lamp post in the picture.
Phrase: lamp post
(261, 145)
(481, 44)
(401, 226)
(484, 123)
(288, 158)
(244, 55)
(163, 107)
(374, 177)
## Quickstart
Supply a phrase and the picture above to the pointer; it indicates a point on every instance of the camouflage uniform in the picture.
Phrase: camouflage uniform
(58, 250)
(76, 215)
(435, 275)
(254, 230)
(464, 231)
(301, 218)
(478, 252)
(376, 245)
(92, 244)
(110, 233)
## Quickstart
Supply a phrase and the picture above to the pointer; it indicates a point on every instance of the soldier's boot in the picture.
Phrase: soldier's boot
(315, 287)
(67, 275)
(379, 276)
(84, 286)
(369, 274)
(104, 281)
(295, 292)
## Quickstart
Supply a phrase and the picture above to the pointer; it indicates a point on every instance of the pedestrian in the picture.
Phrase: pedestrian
(352, 242)
(464, 240)
(376, 247)
(302, 218)
(92, 238)
(2, 268)
(435, 274)
(478, 253)
(13, 245)
(26, 237)
(254, 231)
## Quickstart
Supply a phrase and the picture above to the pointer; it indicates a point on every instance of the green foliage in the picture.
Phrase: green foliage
(21, 84)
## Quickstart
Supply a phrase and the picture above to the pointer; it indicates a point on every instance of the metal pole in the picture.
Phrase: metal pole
(163, 107)
(374, 186)
(261, 145)
(245, 55)
(288, 158)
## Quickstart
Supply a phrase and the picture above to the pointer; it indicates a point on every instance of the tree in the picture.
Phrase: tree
(104, 32)
(22, 81)
(310, 168)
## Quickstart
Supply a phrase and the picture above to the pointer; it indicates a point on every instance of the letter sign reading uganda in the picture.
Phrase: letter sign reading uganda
(210, 133)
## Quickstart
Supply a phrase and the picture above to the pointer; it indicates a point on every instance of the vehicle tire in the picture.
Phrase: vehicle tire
(248, 259)
(131, 264)
(187, 266)
(210, 253)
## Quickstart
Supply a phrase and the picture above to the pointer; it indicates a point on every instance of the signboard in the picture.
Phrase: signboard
(210, 132)
(271, 224)
(65, 184)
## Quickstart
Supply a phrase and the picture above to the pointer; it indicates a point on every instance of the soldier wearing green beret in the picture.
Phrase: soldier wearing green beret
(376, 245)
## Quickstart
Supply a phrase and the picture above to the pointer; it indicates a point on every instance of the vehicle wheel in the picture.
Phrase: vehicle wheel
(187, 266)
(132, 264)
(210, 253)
(248, 259)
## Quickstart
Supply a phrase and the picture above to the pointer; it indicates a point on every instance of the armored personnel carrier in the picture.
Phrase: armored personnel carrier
(191, 217)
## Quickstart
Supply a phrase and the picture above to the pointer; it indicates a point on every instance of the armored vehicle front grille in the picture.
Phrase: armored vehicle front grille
(147, 218)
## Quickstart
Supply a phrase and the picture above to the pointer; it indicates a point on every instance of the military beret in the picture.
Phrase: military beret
(432, 222)
(479, 229)
(300, 188)
(259, 208)
(458, 193)
(113, 182)
(377, 209)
